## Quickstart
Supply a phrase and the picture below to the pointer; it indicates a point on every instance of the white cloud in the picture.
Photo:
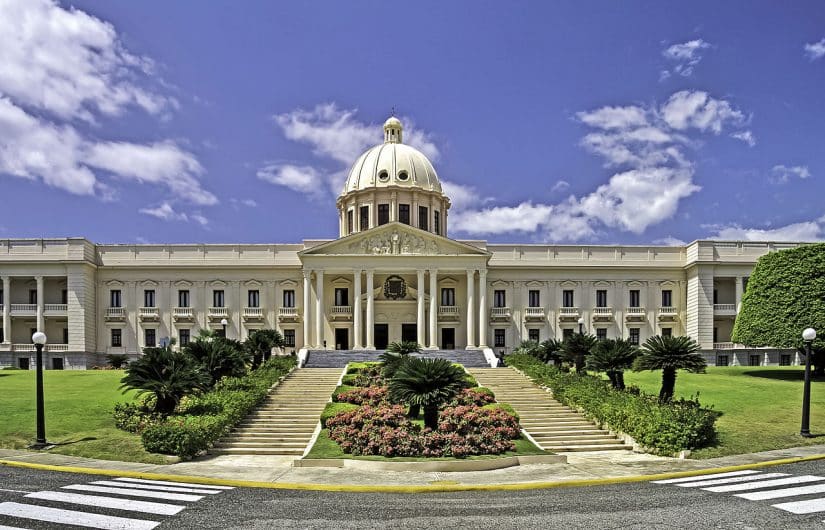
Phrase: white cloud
(69, 63)
(670, 241)
(200, 219)
(685, 55)
(61, 65)
(781, 174)
(686, 109)
(560, 186)
(248, 203)
(614, 117)
(526, 217)
(815, 50)
(303, 179)
(461, 196)
(165, 212)
(803, 231)
(745, 136)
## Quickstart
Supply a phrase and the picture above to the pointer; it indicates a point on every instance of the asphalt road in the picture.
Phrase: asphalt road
(638, 505)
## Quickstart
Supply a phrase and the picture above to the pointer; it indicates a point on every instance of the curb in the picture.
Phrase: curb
(431, 488)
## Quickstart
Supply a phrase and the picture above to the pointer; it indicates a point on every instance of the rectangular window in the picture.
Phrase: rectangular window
(601, 333)
(447, 296)
(499, 298)
(1, 296)
(117, 338)
(423, 218)
(634, 336)
(253, 298)
(149, 298)
(721, 360)
(755, 360)
(404, 213)
(567, 298)
(57, 363)
(65, 336)
(32, 296)
(533, 335)
(498, 335)
(566, 333)
(715, 334)
(667, 332)
(289, 298)
(785, 359)
(350, 225)
(183, 337)
(383, 214)
(217, 298)
(601, 298)
(364, 218)
(341, 296)
(436, 223)
(114, 298)
(635, 299)
(64, 296)
(183, 298)
(149, 338)
(667, 298)
(533, 298)
(2, 335)
(715, 296)
(289, 338)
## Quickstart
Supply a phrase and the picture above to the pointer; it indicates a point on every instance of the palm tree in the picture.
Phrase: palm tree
(551, 350)
(167, 374)
(219, 356)
(426, 383)
(576, 348)
(613, 356)
(260, 343)
(404, 347)
(668, 354)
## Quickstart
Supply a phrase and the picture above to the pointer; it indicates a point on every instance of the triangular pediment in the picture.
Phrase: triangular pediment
(396, 239)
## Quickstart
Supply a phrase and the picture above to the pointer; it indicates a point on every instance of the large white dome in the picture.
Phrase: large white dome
(392, 164)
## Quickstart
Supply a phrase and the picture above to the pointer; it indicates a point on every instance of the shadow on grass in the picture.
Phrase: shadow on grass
(70, 442)
(781, 375)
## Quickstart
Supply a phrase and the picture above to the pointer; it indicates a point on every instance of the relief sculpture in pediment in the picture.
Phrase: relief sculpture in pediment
(395, 243)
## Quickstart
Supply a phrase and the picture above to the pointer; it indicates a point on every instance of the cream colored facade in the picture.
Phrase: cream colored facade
(391, 274)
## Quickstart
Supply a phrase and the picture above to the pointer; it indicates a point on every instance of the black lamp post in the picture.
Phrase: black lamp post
(224, 322)
(581, 326)
(39, 340)
(808, 336)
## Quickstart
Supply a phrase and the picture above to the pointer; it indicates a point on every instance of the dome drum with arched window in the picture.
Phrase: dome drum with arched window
(389, 182)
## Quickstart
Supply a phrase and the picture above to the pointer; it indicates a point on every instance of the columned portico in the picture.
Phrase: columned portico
(307, 299)
(739, 290)
(356, 314)
(419, 323)
(319, 308)
(6, 310)
(482, 308)
(433, 309)
(471, 280)
(370, 310)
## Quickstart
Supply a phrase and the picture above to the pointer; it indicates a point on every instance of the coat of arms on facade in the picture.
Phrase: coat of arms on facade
(395, 288)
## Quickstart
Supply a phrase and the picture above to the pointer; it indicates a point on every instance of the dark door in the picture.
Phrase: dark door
(341, 339)
(57, 363)
(409, 332)
(448, 339)
(382, 336)
(23, 363)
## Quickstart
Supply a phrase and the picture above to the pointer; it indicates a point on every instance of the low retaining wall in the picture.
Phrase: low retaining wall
(434, 466)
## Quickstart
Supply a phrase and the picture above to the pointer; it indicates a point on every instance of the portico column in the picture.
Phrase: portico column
(356, 313)
(419, 323)
(482, 308)
(739, 290)
(307, 285)
(6, 310)
(40, 319)
(370, 312)
(319, 308)
(470, 308)
(433, 309)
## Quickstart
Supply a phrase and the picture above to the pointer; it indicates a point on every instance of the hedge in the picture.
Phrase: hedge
(662, 428)
(202, 420)
(332, 409)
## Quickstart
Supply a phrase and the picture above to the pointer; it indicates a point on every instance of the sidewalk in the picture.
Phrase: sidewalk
(278, 471)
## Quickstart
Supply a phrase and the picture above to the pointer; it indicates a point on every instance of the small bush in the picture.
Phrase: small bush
(666, 428)
(332, 409)
(117, 360)
(134, 417)
(371, 395)
(473, 396)
(505, 407)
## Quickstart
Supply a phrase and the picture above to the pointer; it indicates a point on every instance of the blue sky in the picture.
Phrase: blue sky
(566, 122)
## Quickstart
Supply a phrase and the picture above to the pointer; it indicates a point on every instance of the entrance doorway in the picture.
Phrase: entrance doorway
(382, 336)
(409, 332)
(341, 338)
(448, 339)
(23, 363)
(57, 363)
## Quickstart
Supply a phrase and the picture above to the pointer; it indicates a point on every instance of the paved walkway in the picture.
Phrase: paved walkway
(279, 470)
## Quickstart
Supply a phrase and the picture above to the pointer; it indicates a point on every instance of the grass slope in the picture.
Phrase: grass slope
(78, 412)
(761, 406)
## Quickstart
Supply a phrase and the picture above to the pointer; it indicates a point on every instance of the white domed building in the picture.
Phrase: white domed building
(393, 273)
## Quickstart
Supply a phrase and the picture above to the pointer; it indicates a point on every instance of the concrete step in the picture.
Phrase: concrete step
(574, 448)
(283, 429)
(263, 444)
(577, 439)
(255, 451)
(274, 440)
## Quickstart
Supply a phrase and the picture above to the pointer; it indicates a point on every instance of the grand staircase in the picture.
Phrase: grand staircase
(284, 423)
(552, 425)
(340, 358)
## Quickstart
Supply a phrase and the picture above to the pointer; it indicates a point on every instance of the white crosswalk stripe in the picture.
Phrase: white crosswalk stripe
(116, 495)
(769, 485)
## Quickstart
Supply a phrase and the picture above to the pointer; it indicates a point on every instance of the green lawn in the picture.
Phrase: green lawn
(761, 406)
(78, 413)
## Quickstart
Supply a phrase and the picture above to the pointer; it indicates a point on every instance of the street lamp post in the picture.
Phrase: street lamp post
(808, 336)
(39, 340)
(224, 322)
(581, 325)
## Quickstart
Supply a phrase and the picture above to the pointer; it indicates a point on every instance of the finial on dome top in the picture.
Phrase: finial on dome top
(392, 129)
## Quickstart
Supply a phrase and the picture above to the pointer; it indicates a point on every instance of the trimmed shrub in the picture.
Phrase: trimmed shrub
(473, 396)
(333, 409)
(371, 395)
(364, 375)
(117, 360)
(505, 407)
(665, 428)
